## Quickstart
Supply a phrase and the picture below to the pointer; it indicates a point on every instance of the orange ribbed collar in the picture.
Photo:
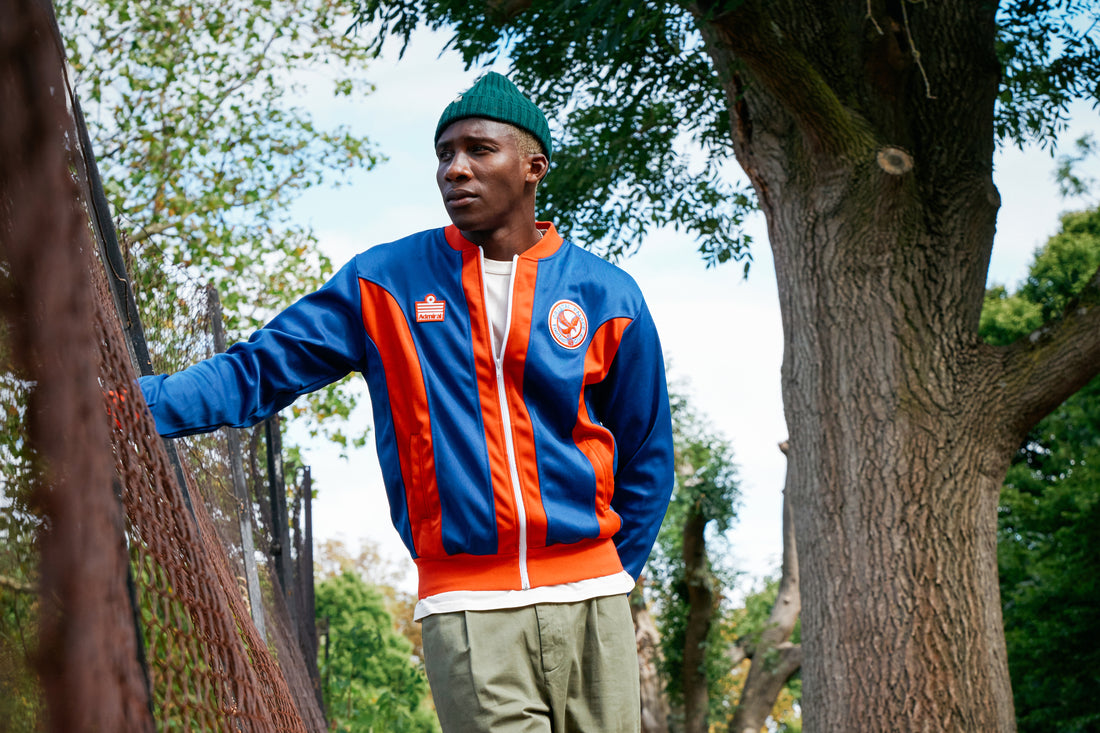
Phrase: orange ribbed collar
(545, 247)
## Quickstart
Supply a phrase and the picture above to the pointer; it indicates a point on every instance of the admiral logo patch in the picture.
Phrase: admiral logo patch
(568, 324)
(430, 309)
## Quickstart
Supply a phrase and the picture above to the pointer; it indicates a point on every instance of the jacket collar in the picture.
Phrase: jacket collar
(549, 244)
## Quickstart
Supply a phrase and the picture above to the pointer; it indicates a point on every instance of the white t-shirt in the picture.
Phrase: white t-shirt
(498, 281)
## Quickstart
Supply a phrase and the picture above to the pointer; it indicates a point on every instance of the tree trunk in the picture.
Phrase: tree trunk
(259, 484)
(774, 658)
(902, 617)
(896, 464)
(873, 166)
(653, 698)
(702, 603)
(767, 676)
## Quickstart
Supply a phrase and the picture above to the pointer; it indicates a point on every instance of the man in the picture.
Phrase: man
(522, 424)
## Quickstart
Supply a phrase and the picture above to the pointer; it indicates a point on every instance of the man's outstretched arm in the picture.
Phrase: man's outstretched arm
(314, 342)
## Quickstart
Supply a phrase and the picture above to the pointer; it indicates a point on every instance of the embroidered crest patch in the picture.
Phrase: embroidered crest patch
(568, 324)
(430, 309)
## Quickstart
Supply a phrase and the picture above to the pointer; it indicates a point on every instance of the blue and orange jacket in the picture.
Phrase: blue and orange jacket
(551, 465)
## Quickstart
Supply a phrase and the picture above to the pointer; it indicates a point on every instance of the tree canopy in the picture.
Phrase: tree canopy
(640, 114)
(627, 86)
(1049, 545)
(194, 111)
(369, 677)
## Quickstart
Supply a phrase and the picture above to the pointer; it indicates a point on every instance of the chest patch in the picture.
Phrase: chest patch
(568, 324)
(430, 309)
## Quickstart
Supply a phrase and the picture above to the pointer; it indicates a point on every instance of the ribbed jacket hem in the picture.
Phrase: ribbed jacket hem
(553, 565)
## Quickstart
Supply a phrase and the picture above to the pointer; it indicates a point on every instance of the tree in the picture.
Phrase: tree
(867, 131)
(765, 680)
(191, 106)
(369, 679)
(652, 692)
(21, 703)
(1049, 546)
(690, 584)
(725, 666)
(384, 574)
(771, 643)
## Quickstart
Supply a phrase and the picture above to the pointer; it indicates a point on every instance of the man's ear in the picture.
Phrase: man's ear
(537, 166)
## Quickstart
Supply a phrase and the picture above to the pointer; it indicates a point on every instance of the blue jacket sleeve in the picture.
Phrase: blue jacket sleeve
(314, 342)
(634, 399)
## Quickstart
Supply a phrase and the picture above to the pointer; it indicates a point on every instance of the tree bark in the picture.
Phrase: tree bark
(259, 484)
(772, 670)
(873, 165)
(653, 698)
(702, 603)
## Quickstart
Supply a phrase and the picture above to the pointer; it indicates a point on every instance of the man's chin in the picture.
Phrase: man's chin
(467, 223)
(461, 217)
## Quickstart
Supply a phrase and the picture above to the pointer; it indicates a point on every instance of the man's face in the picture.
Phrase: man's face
(487, 184)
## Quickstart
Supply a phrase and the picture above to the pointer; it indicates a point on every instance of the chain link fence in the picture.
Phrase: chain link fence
(137, 582)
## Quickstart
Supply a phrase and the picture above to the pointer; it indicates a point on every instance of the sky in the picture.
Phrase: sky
(720, 331)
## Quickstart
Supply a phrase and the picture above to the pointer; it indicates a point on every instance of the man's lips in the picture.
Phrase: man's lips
(459, 197)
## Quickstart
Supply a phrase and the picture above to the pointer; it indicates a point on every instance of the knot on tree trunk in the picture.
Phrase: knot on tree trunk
(894, 161)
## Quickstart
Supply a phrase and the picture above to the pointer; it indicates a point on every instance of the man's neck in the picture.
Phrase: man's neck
(504, 244)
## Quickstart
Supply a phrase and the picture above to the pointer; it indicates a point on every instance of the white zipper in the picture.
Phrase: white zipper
(509, 446)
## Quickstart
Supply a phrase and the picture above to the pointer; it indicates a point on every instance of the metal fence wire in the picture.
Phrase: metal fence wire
(123, 599)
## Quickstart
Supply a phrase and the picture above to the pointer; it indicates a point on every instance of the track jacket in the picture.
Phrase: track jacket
(550, 466)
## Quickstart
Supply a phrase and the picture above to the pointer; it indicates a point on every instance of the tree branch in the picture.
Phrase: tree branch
(763, 685)
(508, 9)
(784, 73)
(1048, 365)
(788, 602)
(145, 232)
(774, 659)
(19, 586)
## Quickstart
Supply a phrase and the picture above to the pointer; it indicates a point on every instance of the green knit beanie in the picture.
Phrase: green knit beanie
(496, 98)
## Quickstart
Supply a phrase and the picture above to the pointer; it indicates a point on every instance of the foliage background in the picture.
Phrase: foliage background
(203, 151)
(1049, 536)
(369, 678)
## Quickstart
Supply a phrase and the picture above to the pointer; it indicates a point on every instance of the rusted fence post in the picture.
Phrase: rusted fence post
(240, 488)
(307, 619)
(280, 528)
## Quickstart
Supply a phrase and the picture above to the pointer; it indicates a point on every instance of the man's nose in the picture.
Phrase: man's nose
(458, 168)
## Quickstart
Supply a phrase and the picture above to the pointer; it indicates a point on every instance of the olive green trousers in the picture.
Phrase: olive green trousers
(546, 668)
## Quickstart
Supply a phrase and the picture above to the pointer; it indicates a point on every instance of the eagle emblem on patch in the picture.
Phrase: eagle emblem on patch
(568, 324)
